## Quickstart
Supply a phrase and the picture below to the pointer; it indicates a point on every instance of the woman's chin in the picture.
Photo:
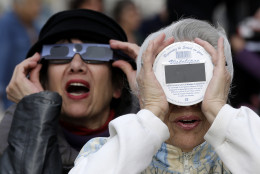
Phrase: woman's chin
(186, 143)
(74, 112)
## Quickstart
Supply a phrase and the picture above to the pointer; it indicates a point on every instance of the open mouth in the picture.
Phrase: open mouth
(188, 122)
(77, 89)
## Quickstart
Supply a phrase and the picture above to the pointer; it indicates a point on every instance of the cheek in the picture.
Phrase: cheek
(54, 77)
(104, 81)
(102, 75)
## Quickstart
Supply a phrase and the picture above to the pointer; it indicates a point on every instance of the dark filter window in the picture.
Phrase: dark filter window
(185, 73)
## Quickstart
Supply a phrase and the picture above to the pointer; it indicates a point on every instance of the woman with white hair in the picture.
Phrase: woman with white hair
(206, 137)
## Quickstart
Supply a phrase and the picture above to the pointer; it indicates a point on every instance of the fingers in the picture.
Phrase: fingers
(151, 94)
(217, 91)
(130, 73)
(221, 57)
(148, 56)
(161, 43)
(20, 85)
(154, 48)
(209, 48)
(130, 49)
(31, 62)
(218, 57)
(22, 70)
(35, 73)
(35, 77)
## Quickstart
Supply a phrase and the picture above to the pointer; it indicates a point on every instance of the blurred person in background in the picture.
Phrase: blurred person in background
(1, 10)
(18, 31)
(153, 23)
(1, 110)
(96, 5)
(246, 49)
(201, 9)
(127, 15)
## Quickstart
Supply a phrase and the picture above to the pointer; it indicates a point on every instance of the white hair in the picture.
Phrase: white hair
(189, 29)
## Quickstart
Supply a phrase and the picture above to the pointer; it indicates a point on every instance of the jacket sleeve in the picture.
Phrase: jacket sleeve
(235, 135)
(32, 138)
(134, 139)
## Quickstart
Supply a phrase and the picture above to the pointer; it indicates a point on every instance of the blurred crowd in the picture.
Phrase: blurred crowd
(22, 19)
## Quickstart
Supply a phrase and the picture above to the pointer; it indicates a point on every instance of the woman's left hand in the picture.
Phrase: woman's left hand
(217, 91)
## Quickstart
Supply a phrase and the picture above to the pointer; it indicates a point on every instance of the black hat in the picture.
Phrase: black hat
(81, 23)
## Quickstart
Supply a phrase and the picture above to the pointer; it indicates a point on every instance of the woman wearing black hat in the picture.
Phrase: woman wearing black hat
(75, 88)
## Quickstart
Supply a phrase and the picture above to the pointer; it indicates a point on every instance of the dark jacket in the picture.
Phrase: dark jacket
(31, 139)
(35, 144)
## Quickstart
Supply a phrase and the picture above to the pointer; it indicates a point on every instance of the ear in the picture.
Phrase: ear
(117, 93)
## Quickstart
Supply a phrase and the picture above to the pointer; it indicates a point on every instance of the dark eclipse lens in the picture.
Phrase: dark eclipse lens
(97, 52)
(58, 51)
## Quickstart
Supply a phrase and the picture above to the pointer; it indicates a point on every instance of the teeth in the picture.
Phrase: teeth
(77, 84)
(77, 88)
(76, 94)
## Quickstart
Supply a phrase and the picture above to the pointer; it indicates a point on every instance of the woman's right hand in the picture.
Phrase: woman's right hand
(131, 50)
(20, 85)
(151, 94)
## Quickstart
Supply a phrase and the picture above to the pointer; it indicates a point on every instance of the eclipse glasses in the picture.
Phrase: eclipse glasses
(90, 53)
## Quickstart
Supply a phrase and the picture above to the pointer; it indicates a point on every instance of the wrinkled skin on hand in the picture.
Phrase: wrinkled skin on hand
(217, 91)
(20, 85)
(151, 94)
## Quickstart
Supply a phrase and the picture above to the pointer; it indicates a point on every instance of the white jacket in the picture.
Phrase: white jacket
(134, 139)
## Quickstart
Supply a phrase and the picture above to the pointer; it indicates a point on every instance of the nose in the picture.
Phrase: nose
(77, 64)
